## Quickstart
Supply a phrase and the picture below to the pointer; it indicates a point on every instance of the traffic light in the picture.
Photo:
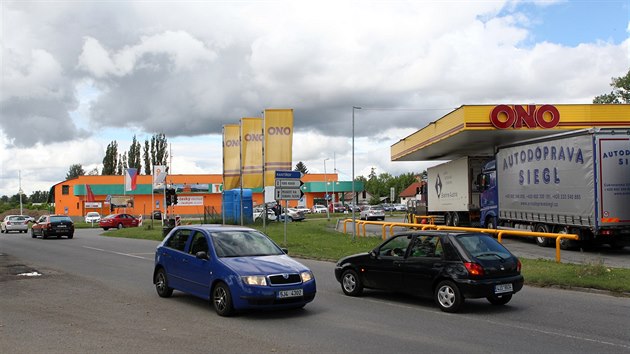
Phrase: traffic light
(171, 197)
(174, 198)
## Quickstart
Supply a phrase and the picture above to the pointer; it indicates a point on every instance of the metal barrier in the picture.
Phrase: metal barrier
(498, 233)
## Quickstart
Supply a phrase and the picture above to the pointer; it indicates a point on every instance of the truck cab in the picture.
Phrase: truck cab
(487, 181)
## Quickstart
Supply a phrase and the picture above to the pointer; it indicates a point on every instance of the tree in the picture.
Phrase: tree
(38, 197)
(133, 156)
(119, 166)
(620, 93)
(110, 161)
(147, 159)
(75, 171)
(159, 146)
(300, 166)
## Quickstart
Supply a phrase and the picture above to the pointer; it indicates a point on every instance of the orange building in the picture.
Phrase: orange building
(196, 194)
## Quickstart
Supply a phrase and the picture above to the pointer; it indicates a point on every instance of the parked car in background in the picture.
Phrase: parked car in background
(92, 217)
(337, 207)
(53, 225)
(118, 221)
(235, 268)
(318, 208)
(156, 215)
(292, 215)
(17, 223)
(446, 265)
(387, 207)
(400, 207)
(260, 211)
(372, 212)
(303, 209)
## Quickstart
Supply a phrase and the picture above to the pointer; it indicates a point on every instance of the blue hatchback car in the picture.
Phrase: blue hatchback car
(235, 267)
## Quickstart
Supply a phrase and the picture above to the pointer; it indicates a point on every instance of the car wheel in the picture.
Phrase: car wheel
(565, 243)
(44, 236)
(499, 300)
(383, 218)
(161, 284)
(222, 300)
(106, 228)
(542, 241)
(33, 234)
(71, 236)
(448, 297)
(120, 226)
(350, 283)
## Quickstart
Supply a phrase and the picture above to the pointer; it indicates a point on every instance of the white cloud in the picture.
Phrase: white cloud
(109, 70)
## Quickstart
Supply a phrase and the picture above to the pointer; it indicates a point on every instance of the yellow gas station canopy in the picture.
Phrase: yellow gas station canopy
(475, 130)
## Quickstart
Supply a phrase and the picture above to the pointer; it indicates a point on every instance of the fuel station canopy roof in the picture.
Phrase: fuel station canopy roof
(476, 130)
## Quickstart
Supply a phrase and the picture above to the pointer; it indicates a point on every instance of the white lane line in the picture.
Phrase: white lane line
(119, 253)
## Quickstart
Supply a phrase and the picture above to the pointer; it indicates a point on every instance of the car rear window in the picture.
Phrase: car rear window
(60, 218)
(481, 245)
(17, 218)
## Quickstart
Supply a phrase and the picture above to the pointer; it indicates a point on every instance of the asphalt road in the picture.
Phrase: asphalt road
(95, 295)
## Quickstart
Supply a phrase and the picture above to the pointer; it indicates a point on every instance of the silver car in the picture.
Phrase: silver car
(372, 212)
(17, 223)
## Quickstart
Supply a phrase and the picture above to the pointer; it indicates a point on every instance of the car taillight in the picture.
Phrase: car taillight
(474, 269)
(518, 265)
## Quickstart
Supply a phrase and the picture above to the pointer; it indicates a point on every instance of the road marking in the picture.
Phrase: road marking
(503, 324)
(119, 253)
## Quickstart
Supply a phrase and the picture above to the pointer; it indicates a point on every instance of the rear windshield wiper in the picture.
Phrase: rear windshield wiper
(490, 254)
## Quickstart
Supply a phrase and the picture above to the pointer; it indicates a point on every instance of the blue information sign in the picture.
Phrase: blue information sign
(289, 174)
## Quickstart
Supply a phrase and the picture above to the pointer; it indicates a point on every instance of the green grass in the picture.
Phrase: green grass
(318, 239)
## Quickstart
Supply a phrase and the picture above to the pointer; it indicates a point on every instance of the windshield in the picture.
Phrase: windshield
(92, 214)
(483, 246)
(60, 218)
(243, 243)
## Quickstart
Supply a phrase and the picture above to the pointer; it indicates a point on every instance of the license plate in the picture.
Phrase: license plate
(503, 288)
(61, 225)
(290, 293)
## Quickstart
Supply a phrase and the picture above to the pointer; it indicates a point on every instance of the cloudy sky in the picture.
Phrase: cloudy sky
(77, 75)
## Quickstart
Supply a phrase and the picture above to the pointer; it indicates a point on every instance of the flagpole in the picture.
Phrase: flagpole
(264, 172)
(240, 170)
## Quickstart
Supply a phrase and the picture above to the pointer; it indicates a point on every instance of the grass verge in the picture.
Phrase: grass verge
(318, 239)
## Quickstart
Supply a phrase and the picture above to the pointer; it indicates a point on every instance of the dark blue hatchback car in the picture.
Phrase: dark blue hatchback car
(235, 267)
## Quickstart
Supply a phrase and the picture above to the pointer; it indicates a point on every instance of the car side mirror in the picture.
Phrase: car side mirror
(202, 255)
(285, 250)
(373, 253)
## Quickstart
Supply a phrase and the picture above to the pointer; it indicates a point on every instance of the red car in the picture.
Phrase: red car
(118, 221)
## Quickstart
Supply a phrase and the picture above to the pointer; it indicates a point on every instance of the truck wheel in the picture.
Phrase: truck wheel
(448, 219)
(491, 223)
(542, 241)
(456, 219)
(565, 244)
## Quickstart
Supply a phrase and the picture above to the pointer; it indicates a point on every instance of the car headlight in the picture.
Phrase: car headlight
(255, 280)
(306, 276)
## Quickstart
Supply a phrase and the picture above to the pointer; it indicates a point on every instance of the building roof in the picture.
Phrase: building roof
(412, 190)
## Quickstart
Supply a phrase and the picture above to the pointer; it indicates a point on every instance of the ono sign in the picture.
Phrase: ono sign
(504, 116)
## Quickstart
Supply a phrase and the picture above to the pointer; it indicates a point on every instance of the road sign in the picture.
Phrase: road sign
(289, 194)
(288, 183)
(289, 174)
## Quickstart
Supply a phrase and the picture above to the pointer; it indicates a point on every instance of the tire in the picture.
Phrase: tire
(161, 284)
(44, 236)
(491, 223)
(120, 226)
(448, 219)
(542, 241)
(565, 244)
(448, 297)
(71, 236)
(383, 218)
(33, 234)
(499, 300)
(222, 300)
(106, 228)
(456, 219)
(351, 283)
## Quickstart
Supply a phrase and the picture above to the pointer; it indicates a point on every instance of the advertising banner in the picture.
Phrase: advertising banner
(278, 142)
(231, 156)
(159, 176)
(614, 172)
(251, 152)
(93, 205)
(121, 201)
(183, 200)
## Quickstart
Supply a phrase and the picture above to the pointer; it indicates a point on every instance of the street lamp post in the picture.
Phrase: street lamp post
(326, 189)
(354, 221)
